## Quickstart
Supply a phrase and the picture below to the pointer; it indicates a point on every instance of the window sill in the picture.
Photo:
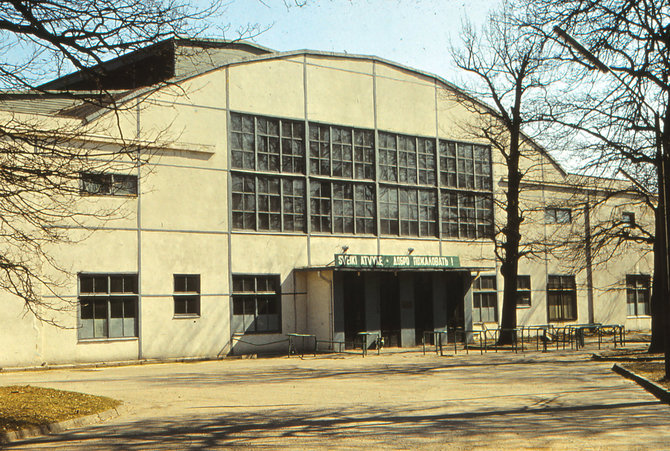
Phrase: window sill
(186, 316)
(523, 306)
(240, 334)
(105, 340)
(638, 317)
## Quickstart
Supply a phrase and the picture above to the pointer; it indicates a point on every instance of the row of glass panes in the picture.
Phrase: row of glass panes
(277, 145)
(273, 203)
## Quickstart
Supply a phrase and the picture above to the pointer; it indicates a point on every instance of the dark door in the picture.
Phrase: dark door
(353, 289)
(423, 304)
(389, 309)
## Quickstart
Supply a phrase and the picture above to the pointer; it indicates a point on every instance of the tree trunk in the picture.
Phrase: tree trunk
(658, 291)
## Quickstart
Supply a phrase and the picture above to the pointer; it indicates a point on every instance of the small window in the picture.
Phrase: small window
(561, 298)
(637, 294)
(628, 218)
(523, 291)
(108, 184)
(256, 304)
(557, 216)
(485, 300)
(186, 295)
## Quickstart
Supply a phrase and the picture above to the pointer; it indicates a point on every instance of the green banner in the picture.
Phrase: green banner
(395, 261)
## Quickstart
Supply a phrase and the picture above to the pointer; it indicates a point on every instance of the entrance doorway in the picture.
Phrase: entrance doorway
(353, 290)
(389, 300)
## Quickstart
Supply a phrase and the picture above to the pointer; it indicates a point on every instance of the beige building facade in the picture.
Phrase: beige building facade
(311, 193)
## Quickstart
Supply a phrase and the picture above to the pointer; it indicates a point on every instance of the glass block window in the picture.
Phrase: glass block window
(256, 304)
(107, 306)
(484, 300)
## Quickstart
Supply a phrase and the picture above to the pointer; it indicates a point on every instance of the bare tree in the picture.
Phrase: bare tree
(624, 114)
(43, 157)
(507, 62)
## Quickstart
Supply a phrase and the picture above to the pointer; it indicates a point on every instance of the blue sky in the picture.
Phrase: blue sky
(416, 33)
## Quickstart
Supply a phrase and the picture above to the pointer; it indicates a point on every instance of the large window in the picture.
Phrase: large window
(637, 294)
(485, 300)
(262, 202)
(186, 295)
(325, 185)
(108, 184)
(107, 306)
(256, 304)
(266, 144)
(561, 298)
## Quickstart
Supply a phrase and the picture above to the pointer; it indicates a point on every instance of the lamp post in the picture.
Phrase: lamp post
(663, 155)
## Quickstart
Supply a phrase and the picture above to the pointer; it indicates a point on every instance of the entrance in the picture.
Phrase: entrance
(353, 290)
(390, 309)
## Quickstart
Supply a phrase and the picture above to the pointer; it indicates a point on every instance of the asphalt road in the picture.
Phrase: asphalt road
(403, 400)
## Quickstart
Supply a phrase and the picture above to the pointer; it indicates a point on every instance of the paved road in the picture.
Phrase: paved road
(404, 400)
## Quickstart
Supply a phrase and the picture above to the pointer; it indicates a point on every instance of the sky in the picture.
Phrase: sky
(416, 33)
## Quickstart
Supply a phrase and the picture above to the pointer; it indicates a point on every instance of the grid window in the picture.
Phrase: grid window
(409, 212)
(293, 199)
(637, 294)
(244, 202)
(320, 199)
(449, 210)
(186, 295)
(261, 202)
(466, 166)
(427, 213)
(388, 211)
(107, 306)
(561, 298)
(484, 215)
(343, 208)
(407, 169)
(557, 215)
(293, 147)
(343, 155)
(243, 148)
(269, 203)
(364, 154)
(448, 164)
(319, 149)
(426, 161)
(265, 144)
(522, 291)
(388, 157)
(256, 304)
(107, 184)
(485, 300)
(483, 176)
(467, 215)
(365, 208)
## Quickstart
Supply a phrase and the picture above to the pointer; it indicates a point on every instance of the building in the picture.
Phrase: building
(305, 192)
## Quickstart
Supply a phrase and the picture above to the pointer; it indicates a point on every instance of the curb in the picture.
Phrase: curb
(51, 428)
(660, 392)
(602, 358)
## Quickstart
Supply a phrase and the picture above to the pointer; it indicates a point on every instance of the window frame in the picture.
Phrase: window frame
(479, 294)
(109, 297)
(551, 215)
(628, 218)
(111, 184)
(526, 291)
(569, 293)
(190, 298)
(632, 279)
(255, 296)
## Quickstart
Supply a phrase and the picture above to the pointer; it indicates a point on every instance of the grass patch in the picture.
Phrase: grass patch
(24, 405)
(654, 371)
